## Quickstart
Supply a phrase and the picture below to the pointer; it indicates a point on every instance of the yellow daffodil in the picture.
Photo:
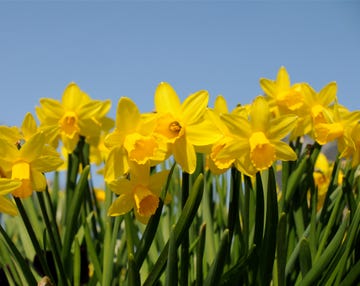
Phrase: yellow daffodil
(141, 192)
(338, 120)
(351, 147)
(132, 140)
(183, 125)
(257, 141)
(288, 98)
(76, 115)
(322, 176)
(6, 187)
(28, 162)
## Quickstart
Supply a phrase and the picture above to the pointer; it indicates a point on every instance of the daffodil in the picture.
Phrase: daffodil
(322, 176)
(257, 140)
(288, 98)
(351, 147)
(337, 120)
(28, 162)
(141, 192)
(7, 186)
(132, 140)
(184, 126)
(19, 135)
(76, 115)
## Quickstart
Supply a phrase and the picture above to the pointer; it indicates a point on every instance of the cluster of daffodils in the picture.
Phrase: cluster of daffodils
(249, 138)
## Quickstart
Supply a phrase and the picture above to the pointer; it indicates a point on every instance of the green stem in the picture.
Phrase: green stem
(19, 258)
(33, 238)
(54, 243)
(185, 259)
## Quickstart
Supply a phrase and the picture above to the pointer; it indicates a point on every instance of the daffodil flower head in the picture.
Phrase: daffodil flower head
(140, 192)
(257, 144)
(184, 126)
(287, 97)
(132, 140)
(28, 162)
(76, 115)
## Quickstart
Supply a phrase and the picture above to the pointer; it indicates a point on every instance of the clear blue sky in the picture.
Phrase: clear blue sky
(114, 49)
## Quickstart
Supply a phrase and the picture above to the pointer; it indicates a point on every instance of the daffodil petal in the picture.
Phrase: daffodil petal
(122, 205)
(29, 126)
(38, 181)
(7, 206)
(260, 115)
(282, 126)
(268, 86)
(33, 147)
(237, 125)
(73, 97)
(8, 185)
(220, 105)
(194, 107)
(184, 154)
(202, 134)
(157, 181)
(121, 186)
(283, 151)
(327, 94)
(166, 99)
(127, 116)
(116, 164)
(282, 79)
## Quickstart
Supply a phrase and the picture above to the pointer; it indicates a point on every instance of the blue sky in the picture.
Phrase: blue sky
(114, 49)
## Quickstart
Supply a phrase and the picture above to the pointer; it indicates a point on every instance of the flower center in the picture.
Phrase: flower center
(292, 99)
(317, 113)
(140, 148)
(169, 127)
(146, 202)
(69, 123)
(262, 152)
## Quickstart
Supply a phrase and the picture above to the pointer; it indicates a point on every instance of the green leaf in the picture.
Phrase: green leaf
(218, 264)
(181, 226)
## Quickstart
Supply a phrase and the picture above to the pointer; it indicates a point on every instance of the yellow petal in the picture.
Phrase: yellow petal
(33, 147)
(327, 94)
(202, 134)
(166, 99)
(260, 115)
(8, 185)
(220, 105)
(268, 86)
(29, 126)
(127, 116)
(184, 154)
(73, 98)
(194, 107)
(21, 170)
(282, 126)
(116, 164)
(25, 189)
(7, 206)
(158, 181)
(122, 205)
(121, 186)
(237, 125)
(284, 152)
(50, 111)
(282, 79)
(38, 181)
